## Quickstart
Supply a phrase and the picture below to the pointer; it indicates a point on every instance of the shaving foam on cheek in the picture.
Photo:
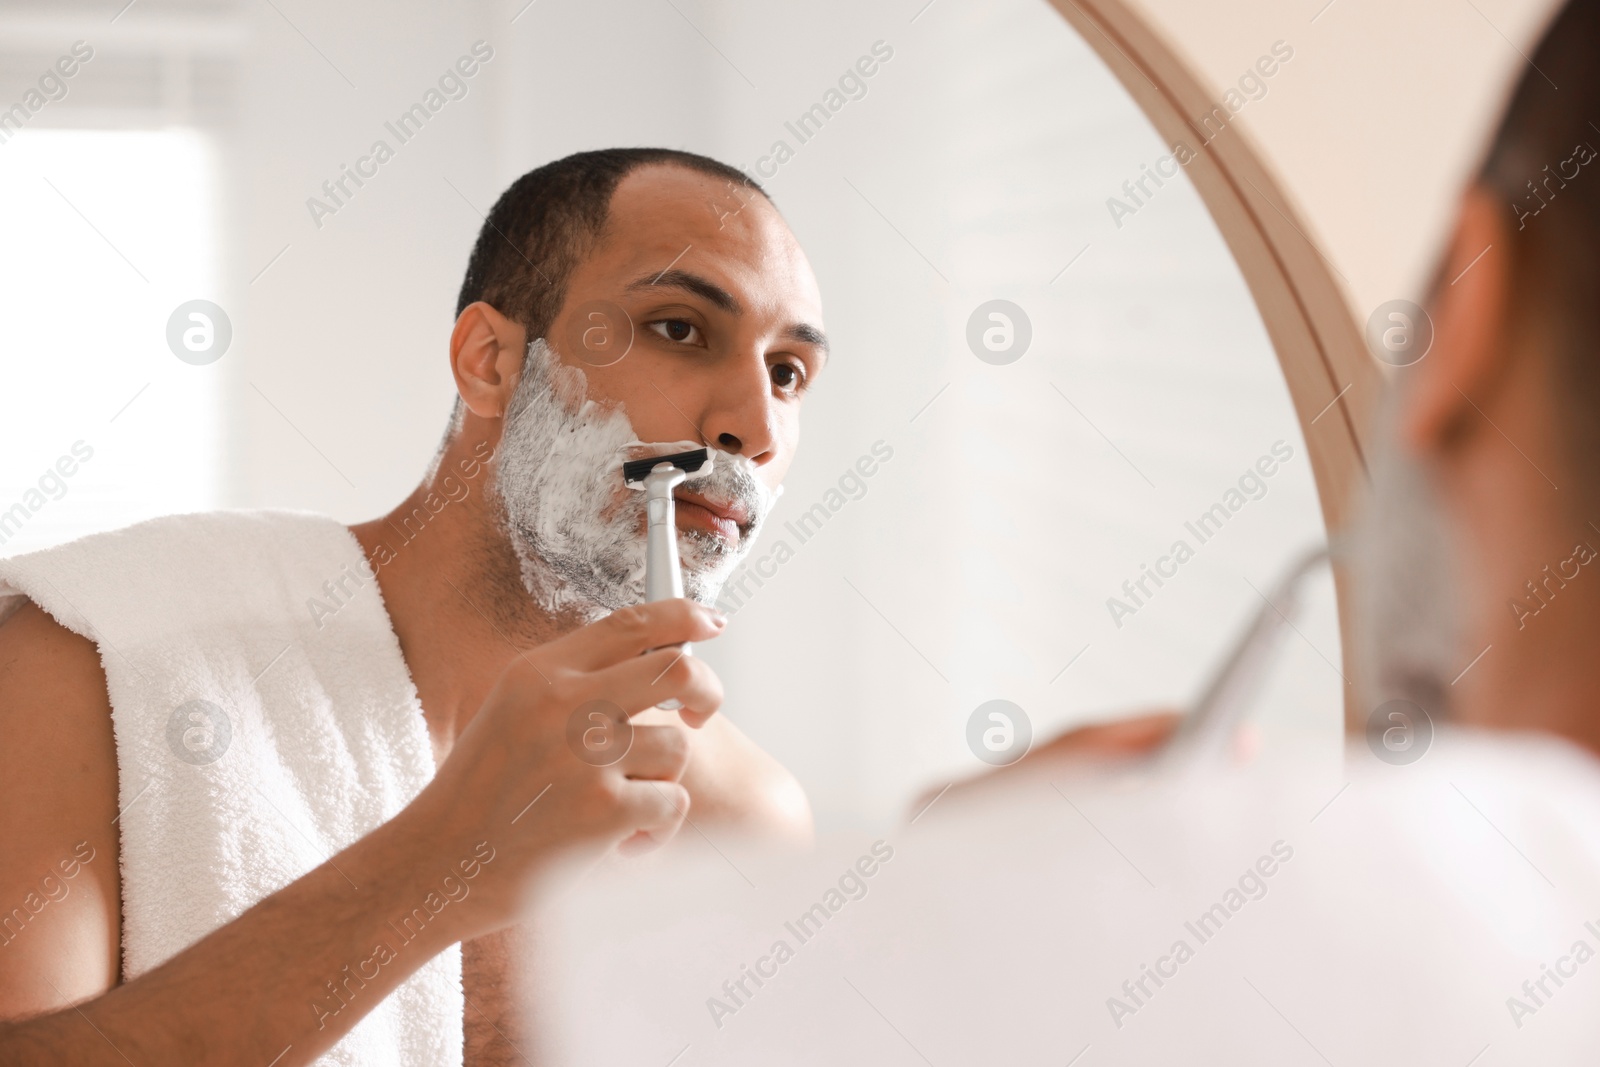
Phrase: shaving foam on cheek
(559, 509)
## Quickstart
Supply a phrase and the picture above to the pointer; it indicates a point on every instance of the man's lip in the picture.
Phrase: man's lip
(729, 512)
(693, 516)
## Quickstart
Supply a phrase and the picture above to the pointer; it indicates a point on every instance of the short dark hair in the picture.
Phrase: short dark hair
(1534, 161)
(543, 225)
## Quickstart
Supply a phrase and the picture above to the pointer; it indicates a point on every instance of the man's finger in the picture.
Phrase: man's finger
(667, 673)
(627, 632)
(659, 753)
(656, 810)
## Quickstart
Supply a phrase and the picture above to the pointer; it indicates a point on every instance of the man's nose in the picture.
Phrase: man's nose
(739, 417)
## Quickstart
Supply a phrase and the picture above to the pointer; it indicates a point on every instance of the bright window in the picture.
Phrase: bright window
(106, 232)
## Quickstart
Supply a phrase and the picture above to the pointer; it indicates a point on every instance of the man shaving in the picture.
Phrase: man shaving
(200, 710)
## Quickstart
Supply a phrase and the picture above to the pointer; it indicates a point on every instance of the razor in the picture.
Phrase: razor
(658, 476)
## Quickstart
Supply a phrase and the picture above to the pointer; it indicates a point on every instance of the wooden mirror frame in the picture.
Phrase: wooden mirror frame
(1333, 381)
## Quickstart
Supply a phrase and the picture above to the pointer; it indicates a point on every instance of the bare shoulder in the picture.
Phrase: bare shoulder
(59, 883)
(735, 784)
(747, 787)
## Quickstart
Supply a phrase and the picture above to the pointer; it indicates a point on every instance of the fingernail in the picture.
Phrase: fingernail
(718, 618)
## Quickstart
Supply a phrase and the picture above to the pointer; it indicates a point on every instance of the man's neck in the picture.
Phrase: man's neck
(453, 590)
(1535, 608)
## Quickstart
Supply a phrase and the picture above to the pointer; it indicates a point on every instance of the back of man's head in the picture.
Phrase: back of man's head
(1545, 163)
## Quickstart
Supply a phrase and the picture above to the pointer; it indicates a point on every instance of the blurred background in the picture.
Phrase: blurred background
(186, 158)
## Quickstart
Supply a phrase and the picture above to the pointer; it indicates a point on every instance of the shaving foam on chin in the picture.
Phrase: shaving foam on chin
(575, 531)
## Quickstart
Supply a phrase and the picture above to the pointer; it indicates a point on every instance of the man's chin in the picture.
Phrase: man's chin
(584, 589)
(705, 584)
(582, 606)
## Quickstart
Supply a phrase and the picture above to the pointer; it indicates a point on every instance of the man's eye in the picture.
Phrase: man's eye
(785, 376)
(677, 330)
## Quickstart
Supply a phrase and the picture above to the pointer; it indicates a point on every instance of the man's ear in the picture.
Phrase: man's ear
(486, 353)
(1470, 306)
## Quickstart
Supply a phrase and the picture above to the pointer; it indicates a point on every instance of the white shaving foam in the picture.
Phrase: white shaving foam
(578, 532)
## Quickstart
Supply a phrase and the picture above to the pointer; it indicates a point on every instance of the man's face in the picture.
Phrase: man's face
(726, 322)
(694, 321)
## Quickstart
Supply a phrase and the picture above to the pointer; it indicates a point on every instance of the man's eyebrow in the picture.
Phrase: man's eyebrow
(719, 297)
(723, 300)
(806, 333)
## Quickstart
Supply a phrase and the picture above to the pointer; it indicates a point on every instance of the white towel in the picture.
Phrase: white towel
(310, 735)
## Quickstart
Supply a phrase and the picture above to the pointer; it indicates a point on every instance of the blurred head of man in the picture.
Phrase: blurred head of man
(1482, 575)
